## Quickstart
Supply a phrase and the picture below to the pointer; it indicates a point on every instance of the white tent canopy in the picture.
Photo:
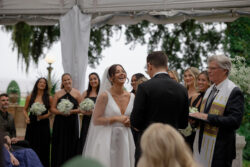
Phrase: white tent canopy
(46, 12)
(77, 16)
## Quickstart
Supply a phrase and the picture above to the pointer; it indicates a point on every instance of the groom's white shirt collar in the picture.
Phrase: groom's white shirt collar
(161, 72)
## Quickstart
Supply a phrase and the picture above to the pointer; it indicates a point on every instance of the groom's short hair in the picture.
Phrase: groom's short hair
(158, 59)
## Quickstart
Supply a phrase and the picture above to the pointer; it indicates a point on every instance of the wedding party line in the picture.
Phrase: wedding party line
(159, 123)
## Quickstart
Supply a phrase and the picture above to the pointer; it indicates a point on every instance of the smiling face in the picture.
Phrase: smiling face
(67, 81)
(119, 76)
(4, 101)
(203, 82)
(133, 82)
(93, 81)
(41, 84)
(188, 78)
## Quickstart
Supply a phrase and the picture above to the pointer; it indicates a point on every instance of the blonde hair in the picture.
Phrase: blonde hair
(175, 73)
(194, 72)
(163, 146)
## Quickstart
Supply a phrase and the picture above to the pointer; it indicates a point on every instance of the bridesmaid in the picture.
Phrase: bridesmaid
(38, 129)
(91, 92)
(134, 79)
(190, 79)
(65, 128)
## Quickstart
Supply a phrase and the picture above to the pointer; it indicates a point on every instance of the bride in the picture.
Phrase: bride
(110, 140)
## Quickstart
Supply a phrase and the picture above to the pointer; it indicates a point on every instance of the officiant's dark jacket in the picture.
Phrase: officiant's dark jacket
(225, 147)
(160, 99)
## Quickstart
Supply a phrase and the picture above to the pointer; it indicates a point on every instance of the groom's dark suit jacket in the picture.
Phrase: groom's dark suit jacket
(160, 99)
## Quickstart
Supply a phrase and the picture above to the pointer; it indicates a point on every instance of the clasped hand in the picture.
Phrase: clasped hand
(124, 120)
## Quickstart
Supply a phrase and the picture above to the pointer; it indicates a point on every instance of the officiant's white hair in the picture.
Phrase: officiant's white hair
(223, 61)
(163, 146)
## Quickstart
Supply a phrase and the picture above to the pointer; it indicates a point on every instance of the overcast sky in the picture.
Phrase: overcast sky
(132, 60)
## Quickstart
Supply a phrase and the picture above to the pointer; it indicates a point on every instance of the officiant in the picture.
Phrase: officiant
(222, 111)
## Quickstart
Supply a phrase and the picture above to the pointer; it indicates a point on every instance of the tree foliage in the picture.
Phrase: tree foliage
(185, 43)
(237, 41)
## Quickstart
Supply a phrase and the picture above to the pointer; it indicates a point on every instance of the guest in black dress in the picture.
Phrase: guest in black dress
(38, 129)
(134, 79)
(91, 92)
(65, 128)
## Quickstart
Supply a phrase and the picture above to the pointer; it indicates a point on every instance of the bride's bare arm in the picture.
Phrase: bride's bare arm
(98, 115)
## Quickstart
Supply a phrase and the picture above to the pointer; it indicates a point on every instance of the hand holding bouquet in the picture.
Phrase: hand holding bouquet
(37, 108)
(87, 105)
(65, 106)
(193, 110)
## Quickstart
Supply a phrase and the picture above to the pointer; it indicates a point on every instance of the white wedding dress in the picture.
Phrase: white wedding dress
(112, 145)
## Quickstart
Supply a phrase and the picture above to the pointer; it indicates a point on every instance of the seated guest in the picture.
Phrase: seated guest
(163, 146)
(222, 110)
(7, 122)
(23, 157)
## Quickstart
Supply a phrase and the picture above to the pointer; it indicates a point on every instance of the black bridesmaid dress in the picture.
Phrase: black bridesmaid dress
(38, 136)
(65, 135)
(84, 131)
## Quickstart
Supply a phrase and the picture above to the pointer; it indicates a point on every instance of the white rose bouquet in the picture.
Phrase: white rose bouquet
(193, 110)
(37, 108)
(65, 106)
(87, 105)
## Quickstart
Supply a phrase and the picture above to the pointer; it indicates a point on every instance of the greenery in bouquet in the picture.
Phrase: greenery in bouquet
(65, 106)
(187, 131)
(37, 108)
(87, 105)
(240, 76)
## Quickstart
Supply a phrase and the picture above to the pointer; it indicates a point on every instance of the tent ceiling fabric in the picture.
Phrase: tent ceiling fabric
(48, 12)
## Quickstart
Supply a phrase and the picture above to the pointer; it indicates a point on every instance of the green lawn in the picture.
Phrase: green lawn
(246, 163)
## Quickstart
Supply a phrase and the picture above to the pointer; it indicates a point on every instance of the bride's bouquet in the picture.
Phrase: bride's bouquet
(37, 108)
(87, 105)
(65, 106)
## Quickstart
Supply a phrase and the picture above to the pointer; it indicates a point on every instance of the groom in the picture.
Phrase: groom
(160, 99)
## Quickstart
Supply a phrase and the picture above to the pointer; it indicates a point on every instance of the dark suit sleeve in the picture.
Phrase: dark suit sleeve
(183, 123)
(233, 112)
(138, 115)
(12, 127)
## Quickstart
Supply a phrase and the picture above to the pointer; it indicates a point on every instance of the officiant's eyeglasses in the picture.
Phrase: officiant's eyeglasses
(212, 68)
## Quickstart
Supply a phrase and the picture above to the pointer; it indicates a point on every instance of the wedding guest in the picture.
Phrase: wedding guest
(174, 75)
(38, 129)
(22, 157)
(134, 79)
(91, 92)
(222, 111)
(66, 128)
(8, 124)
(163, 146)
(110, 140)
(139, 81)
(160, 99)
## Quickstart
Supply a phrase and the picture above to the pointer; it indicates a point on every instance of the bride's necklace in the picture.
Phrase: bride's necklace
(68, 91)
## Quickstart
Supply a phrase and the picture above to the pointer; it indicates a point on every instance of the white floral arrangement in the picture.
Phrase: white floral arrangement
(87, 105)
(187, 131)
(65, 106)
(239, 74)
(37, 108)
(193, 110)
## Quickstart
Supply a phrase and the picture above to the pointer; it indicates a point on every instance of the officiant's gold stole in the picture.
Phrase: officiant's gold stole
(216, 109)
